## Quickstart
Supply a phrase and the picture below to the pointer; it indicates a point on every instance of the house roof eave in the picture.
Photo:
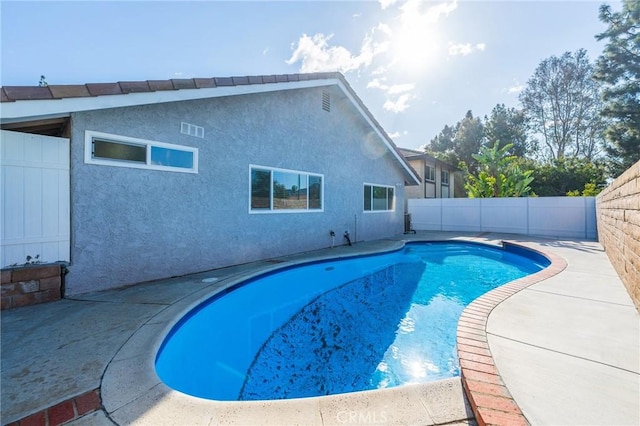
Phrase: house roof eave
(26, 103)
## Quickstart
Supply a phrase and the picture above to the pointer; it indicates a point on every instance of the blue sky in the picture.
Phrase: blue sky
(417, 65)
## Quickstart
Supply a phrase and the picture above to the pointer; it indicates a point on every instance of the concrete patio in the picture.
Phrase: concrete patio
(567, 348)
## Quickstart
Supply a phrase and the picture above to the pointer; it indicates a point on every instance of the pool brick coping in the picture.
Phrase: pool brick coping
(488, 396)
(63, 412)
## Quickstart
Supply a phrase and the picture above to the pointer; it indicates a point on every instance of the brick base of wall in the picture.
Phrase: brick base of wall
(32, 284)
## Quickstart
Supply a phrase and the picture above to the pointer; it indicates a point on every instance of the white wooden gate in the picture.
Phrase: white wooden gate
(35, 198)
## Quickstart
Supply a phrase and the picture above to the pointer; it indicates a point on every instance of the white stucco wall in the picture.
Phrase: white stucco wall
(132, 225)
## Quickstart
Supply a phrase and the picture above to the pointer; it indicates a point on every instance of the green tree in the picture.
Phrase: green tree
(457, 144)
(564, 175)
(562, 104)
(509, 125)
(619, 69)
(499, 175)
(469, 140)
(590, 190)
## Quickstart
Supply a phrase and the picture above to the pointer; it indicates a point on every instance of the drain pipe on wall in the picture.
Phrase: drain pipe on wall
(355, 228)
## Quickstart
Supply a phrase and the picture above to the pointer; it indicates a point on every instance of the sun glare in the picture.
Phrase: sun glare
(415, 49)
(415, 37)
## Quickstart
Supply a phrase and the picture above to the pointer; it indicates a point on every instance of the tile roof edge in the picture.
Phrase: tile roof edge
(65, 91)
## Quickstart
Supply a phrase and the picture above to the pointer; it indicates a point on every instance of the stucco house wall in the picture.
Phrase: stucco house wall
(131, 225)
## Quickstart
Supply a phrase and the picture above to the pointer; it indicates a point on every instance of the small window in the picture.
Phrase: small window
(119, 151)
(285, 190)
(378, 198)
(122, 151)
(444, 175)
(171, 157)
(430, 174)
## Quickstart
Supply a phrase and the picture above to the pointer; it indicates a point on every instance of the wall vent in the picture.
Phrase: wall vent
(326, 101)
(191, 130)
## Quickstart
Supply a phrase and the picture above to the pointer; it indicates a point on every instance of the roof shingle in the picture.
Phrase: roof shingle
(21, 93)
(28, 92)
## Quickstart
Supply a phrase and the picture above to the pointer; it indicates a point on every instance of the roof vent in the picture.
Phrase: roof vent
(326, 101)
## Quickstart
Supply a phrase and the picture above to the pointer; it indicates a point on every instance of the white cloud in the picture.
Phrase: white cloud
(443, 9)
(316, 54)
(386, 3)
(459, 49)
(400, 104)
(465, 49)
(415, 9)
(400, 88)
(384, 28)
(515, 89)
(377, 83)
(394, 89)
(397, 135)
(379, 71)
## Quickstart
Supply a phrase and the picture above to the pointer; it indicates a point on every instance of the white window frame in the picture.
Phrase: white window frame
(380, 186)
(271, 210)
(89, 136)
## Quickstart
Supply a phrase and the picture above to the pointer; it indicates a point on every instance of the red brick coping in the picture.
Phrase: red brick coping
(490, 399)
(63, 412)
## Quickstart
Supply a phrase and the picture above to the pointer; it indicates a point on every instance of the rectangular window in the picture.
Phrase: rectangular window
(122, 151)
(430, 174)
(280, 190)
(378, 198)
(444, 175)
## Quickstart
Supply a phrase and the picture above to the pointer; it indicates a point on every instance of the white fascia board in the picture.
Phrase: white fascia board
(376, 129)
(17, 111)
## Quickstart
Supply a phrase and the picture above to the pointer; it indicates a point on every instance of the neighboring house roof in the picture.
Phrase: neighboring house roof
(412, 154)
(29, 103)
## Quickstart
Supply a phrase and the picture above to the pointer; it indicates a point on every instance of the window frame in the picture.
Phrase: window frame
(427, 167)
(443, 181)
(271, 209)
(91, 135)
(372, 199)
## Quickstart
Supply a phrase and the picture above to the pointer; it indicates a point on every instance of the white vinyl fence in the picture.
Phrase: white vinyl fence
(558, 217)
(34, 178)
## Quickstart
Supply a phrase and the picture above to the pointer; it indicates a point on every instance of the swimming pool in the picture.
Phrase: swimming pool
(336, 326)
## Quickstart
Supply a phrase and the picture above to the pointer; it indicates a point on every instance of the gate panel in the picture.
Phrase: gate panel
(35, 197)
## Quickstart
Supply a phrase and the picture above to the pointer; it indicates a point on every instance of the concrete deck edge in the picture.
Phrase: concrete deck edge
(490, 399)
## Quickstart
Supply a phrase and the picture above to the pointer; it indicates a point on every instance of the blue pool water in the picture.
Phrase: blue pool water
(337, 326)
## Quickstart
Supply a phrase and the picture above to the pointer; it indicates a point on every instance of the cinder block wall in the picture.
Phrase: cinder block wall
(29, 285)
(618, 216)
